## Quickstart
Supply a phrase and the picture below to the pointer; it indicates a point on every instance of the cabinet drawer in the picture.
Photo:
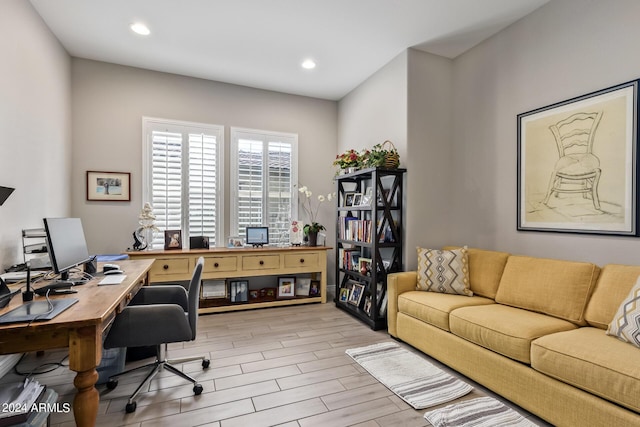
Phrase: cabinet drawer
(220, 263)
(260, 262)
(164, 266)
(305, 260)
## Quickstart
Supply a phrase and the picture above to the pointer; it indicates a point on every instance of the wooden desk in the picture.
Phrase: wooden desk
(229, 263)
(79, 328)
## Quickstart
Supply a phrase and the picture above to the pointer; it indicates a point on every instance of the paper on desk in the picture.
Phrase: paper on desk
(115, 279)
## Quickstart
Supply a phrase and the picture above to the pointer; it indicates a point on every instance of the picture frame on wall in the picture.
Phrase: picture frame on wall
(577, 164)
(108, 186)
(172, 239)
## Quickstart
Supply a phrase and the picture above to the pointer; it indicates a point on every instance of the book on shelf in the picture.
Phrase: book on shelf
(354, 229)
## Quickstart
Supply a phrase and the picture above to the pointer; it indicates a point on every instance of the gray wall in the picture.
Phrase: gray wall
(110, 100)
(428, 160)
(35, 124)
(460, 124)
(564, 49)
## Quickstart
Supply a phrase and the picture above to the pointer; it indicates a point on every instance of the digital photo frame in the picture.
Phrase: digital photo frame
(257, 236)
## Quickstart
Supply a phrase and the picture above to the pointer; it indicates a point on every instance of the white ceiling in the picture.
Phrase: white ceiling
(261, 43)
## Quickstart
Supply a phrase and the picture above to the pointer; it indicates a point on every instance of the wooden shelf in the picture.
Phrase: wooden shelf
(242, 263)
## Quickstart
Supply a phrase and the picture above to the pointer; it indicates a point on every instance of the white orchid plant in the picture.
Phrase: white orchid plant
(311, 208)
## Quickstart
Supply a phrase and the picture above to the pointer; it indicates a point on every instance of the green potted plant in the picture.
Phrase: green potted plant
(312, 228)
(382, 155)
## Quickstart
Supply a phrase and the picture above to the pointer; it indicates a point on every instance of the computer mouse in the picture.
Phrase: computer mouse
(108, 267)
(110, 272)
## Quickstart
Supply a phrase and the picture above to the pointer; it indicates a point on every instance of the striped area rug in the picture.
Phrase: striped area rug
(412, 378)
(480, 412)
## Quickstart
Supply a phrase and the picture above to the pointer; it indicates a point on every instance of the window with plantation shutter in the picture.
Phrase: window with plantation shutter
(182, 171)
(264, 169)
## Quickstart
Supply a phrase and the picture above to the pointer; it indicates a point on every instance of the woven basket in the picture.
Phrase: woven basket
(392, 160)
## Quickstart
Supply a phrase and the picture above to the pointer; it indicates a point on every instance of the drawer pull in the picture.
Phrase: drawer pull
(261, 262)
(216, 265)
(166, 267)
(301, 260)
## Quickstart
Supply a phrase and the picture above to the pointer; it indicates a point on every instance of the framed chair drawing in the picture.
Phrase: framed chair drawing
(577, 164)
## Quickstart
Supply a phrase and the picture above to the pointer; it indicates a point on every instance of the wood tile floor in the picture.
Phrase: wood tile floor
(280, 366)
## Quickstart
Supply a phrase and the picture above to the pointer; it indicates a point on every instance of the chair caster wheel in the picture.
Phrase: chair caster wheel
(197, 389)
(111, 384)
(205, 363)
(131, 407)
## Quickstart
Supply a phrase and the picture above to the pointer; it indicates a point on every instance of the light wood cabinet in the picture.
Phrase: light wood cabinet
(246, 263)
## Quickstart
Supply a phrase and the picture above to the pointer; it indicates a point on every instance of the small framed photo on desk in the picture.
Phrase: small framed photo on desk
(172, 239)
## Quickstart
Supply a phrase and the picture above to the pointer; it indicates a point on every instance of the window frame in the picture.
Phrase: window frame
(235, 134)
(150, 124)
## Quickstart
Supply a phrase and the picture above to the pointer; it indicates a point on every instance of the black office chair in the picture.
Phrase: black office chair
(158, 315)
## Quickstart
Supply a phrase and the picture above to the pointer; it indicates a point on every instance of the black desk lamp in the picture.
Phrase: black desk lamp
(27, 295)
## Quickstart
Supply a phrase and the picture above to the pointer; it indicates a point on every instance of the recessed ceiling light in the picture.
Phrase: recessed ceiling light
(309, 64)
(140, 28)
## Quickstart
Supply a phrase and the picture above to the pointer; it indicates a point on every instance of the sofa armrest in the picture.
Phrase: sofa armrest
(398, 283)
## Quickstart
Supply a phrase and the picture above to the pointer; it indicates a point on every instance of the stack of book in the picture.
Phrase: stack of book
(20, 402)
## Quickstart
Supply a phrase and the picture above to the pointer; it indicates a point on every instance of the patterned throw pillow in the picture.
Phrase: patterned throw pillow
(444, 271)
(626, 323)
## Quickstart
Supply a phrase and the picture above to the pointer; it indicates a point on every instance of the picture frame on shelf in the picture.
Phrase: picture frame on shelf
(314, 290)
(348, 198)
(235, 242)
(296, 232)
(364, 266)
(286, 287)
(108, 186)
(356, 294)
(303, 286)
(344, 295)
(357, 199)
(172, 239)
(254, 294)
(213, 289)
(366, 197)
(239, 290)
(367, 305)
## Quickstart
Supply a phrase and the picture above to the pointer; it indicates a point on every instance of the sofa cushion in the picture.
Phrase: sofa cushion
(443, 271)
(485, 270)
(549, 286)
(503, 329)
(626, 322)
(613, 286)
(589, 359)
(434, 308)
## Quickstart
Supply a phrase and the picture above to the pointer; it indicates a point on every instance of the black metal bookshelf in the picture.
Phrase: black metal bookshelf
(369, 241)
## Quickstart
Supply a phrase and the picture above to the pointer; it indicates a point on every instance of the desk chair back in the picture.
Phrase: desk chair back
(194, 296)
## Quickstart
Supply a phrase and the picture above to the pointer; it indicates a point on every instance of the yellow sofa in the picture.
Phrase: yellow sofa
(533, 332)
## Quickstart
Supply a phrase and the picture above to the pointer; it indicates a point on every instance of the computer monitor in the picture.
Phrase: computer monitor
(66, 243)
(257, 236)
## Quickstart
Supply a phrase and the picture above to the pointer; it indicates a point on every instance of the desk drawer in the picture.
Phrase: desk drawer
(166, 266)
(260, 262)
(220, 263)
(303, 260)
